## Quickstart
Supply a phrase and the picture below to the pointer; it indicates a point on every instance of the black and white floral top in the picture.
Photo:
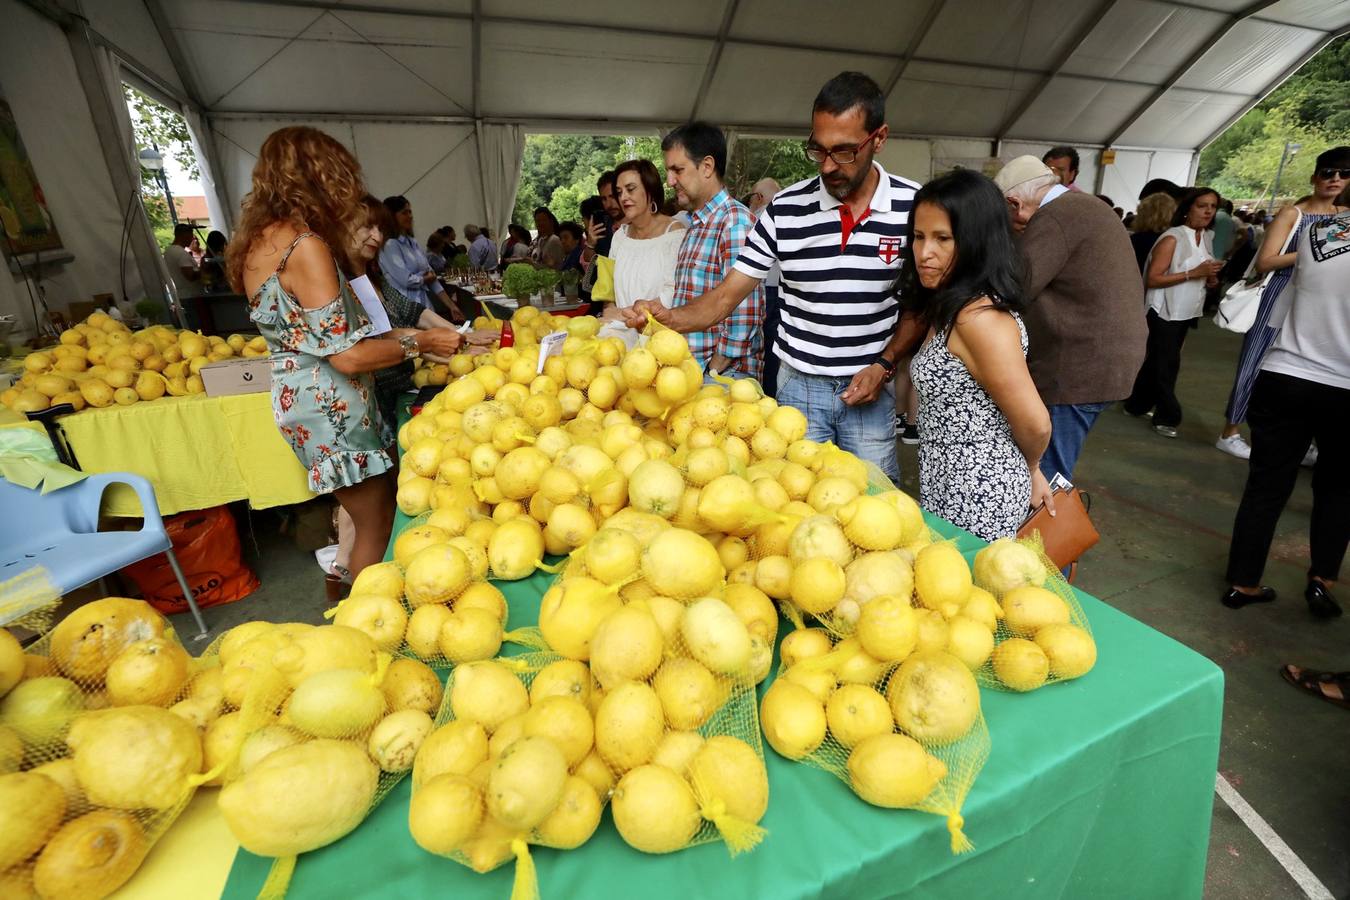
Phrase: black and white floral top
(971, 472)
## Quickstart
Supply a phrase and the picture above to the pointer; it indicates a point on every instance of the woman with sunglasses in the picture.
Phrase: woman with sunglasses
(1331, 175)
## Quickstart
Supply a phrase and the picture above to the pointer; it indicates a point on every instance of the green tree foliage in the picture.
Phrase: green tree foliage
(1312, 108)
(155, 125)
(560, 170)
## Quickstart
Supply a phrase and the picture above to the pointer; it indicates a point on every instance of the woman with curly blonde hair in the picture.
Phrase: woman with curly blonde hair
(1153, 217)
(304, 209)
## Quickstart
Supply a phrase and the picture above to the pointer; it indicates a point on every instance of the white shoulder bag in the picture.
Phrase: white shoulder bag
(1242, 301)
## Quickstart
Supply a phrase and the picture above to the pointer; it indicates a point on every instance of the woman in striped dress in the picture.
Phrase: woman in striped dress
(1317, 207)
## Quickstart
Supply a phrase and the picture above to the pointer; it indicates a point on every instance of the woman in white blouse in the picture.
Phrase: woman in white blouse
(1180, 266)
(646, 247)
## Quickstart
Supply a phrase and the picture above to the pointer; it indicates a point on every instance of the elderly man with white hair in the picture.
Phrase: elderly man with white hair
(482, 252)
(1085, 313)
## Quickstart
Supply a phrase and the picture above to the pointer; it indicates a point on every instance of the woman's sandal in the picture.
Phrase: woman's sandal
(337, 585)
(1334, 687)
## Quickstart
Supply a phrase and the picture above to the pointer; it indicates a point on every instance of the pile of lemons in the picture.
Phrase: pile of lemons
(100, 362)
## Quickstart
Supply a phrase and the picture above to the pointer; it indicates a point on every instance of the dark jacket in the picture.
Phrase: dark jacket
(1085, 312)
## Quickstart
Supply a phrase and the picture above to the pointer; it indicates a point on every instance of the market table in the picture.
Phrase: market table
(197, 451)
(1100, 787)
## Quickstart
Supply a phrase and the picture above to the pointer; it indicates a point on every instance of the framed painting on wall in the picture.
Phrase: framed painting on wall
(24, 219)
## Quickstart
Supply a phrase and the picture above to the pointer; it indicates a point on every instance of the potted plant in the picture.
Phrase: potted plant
(571, 283)
(546, 282)
(518, 282)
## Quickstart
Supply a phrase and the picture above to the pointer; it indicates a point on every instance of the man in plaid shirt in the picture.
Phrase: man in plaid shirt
(696, 162)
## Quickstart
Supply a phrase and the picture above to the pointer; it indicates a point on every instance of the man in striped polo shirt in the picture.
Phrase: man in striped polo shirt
(838, 239)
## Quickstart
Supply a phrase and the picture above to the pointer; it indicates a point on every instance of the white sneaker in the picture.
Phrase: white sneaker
(1234, 445)
(1310, 458)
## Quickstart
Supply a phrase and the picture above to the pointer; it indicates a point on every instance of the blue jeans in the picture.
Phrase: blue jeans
(1070, 424)
(866, 430)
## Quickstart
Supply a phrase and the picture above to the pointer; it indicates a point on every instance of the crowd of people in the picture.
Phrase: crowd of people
(1012, 311)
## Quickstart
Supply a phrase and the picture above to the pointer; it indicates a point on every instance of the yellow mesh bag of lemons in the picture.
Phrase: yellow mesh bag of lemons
(101, 748)
(318, 725)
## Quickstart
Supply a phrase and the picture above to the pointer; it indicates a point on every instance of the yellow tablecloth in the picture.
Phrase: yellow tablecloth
(197, 451)
(193, 858)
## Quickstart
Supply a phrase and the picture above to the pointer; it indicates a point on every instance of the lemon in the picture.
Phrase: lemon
(515, 549)
(1070, 649)
(878, 573)
(817, 585)
(804, 643)
(1028, 609)
(414, 539)
(639, 367)
(627, 645)
(872, 523)
(526, 783)
(819, 535)
(394, 742)
(570, 613)
(773, 576)
(488, 693)
(151, 672)
(336, 703)
(629, 724)
(855, 712)
(704, 464)
(381, 617)
(893, 770)
(981, 606)
(766, 443)
(744, 420)
(933, 630)
(941, 578)
(1005, 565)
(788, 422)
(574, 819)
(934, 697)
(410, 684)
(819, 681)
(969, 641)
(715, 636)
(677, 749)
(558, 485)
(564, 678)
(656, 487)
(381, 580)
(456, 748)
(424, 629)
(1021, 664)
(887, 628)
(754, 608)
(654, 809)
(668, 347)
(726, 768)
(134, 757)
(300, 798)
(793, 719)
(679, 563)
(566, 722)
(569, 526)
(445, 813)
(519, 472)
(470, 634)
(33, 805)
(688, 693)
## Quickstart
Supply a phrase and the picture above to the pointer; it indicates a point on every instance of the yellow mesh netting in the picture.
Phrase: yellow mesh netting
(28, 600)
(100, 747)
(319, 724)
(1043, 635)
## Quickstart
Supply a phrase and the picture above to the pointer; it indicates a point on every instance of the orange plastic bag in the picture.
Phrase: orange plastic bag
(206, 543)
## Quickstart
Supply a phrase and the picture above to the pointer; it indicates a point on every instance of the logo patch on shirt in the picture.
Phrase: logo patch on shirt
(888, 248)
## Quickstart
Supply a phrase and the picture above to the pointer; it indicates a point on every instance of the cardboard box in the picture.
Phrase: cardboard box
(237, 376)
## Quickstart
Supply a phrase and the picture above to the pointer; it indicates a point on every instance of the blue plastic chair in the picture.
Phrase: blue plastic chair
(59, 532)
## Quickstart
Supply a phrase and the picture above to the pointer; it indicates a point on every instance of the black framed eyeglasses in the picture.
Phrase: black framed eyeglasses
(1328, 174)
(841, 157)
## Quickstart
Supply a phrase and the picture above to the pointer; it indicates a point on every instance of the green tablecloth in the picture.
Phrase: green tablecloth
(1100, 787)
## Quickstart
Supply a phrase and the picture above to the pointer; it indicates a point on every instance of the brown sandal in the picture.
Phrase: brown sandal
(1333, 687)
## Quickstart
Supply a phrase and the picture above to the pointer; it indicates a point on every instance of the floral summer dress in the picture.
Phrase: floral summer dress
(329, 419)
(970, 470)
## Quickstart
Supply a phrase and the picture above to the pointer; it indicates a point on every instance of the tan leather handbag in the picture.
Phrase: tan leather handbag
(1066, 535)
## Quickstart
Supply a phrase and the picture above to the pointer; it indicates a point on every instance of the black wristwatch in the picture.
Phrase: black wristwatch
(886, 364)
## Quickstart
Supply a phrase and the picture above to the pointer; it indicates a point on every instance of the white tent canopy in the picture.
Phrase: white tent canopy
(435, 96)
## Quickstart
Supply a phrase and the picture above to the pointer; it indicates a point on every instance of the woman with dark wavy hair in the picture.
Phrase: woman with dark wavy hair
(982, 425)
(294, 240)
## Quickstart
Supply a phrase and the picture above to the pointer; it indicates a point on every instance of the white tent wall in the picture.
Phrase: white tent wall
(42, 86)
(434, 165)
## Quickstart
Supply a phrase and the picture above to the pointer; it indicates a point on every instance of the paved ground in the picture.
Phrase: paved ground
(1164, 508)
